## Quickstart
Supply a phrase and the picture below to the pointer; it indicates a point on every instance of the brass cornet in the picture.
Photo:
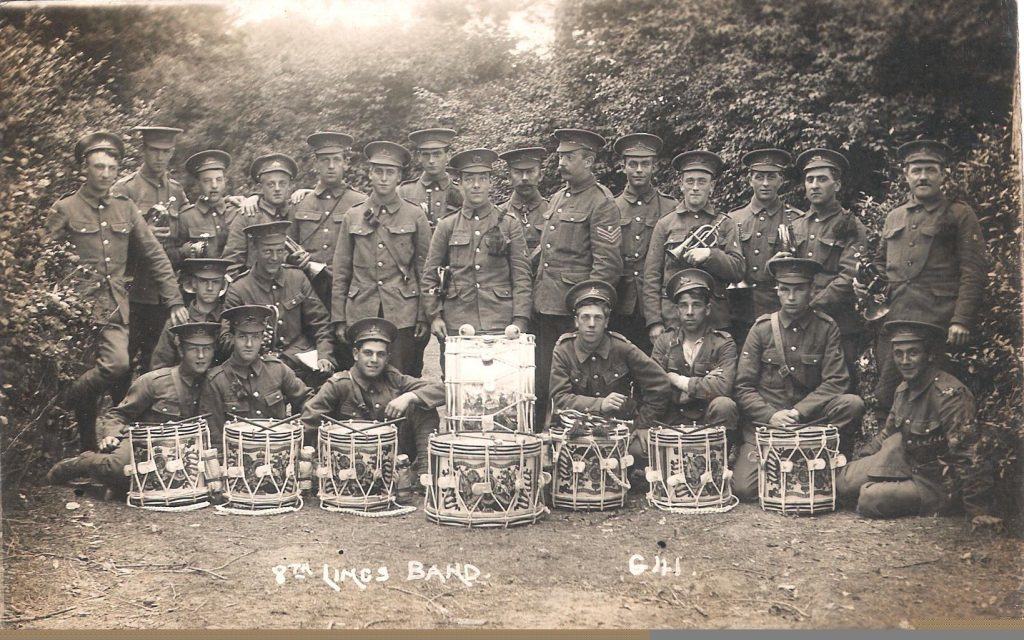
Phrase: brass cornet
(703, 237)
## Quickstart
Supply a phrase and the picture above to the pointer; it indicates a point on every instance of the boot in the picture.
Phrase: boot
(66, 470)
(86, 418)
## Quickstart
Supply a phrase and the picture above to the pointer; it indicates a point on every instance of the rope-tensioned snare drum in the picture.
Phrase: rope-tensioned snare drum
(590, 462)
(797, 465)
(264, 462)
(489, 382)
(689, 470)
(167, 470)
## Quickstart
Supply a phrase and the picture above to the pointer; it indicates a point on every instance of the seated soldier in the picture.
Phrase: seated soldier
(164, 395)
(598, 371)
(700, 361)
(302, 320)
(250, 384)
(205, 278)
(925, 457)
(374, 390)
(792, 371)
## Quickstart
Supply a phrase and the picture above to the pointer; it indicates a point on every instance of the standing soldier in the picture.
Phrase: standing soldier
(250, 384)
(484, 251)
(580, 241)
(435, 193)
(934, 256)
(168, 394)
(758, 224)
(160, 198)
(378, 262)
(640, 207)
(203, 226)
(526, 204)
(317, 217)
(206, 279)
(692, 235)
(107, 231)
(791, 370)
(925, 460)
(302, 321)
(834, 237)
(273, 173)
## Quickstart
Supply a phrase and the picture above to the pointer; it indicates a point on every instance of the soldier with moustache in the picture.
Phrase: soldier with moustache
(160, 199)
(933, 254)
(580, 241)
(526, 204)
(107, 232)
(758, 223)
(641, 205)
(203, 226)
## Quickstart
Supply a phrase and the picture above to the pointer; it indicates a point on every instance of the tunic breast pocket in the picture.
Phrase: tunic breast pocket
(273, 398)
(402, 240)
(827, 252)
(458, 249)
(307, 221)
(364, 247)
(925, 440)
(85, 235)
(293, 301)
(810, 368)
(616, 378)
(574, 230)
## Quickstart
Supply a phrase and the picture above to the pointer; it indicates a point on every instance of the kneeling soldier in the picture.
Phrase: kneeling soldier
(165, 395)
(250, 385)
(374, 390)
(792, 371)
(206, 279)
(599, 371)
(700, 361)
(926, 455)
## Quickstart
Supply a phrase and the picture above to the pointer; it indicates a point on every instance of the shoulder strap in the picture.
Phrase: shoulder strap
(777, 335)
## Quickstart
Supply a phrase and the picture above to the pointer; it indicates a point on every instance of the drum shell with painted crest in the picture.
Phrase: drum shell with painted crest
(688, 468)
(589, 472)
(797, 468)
(484, 480)
(166, 469)
(489, 382)
(261, 466)
(356, 464)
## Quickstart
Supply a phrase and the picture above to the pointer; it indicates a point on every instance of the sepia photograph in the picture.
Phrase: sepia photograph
(482, 315)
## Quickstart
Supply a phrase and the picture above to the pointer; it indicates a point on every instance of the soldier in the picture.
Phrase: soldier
(206, 279)
(160, 198)
(700, 361)
(433, 191)
(934, 256)
(669, 253)
(203, 226)
(106, 231)
(374, 390)
(758, 223)
(580, 241)
(485, 253)
(250, 384)
(273, 173)
(791, 370)
(526, 204)
(640, 207)
(317, 216)
(926, 459)
(303, 323)
(834, 237)
(378, 261)
(600, 372)
(166, 395)
(436, 194)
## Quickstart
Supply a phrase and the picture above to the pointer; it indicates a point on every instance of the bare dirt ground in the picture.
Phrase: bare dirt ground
(104, 565)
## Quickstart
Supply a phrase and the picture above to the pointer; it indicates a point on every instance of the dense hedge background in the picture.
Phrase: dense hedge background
(859, 75)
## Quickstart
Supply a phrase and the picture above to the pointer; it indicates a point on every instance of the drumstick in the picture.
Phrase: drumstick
(162, 424)
(255, 424)
(369, 426)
